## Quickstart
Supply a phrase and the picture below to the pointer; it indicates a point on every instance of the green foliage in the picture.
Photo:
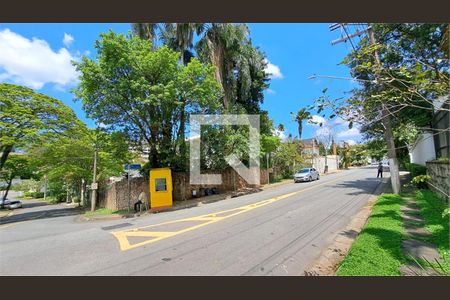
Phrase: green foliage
(420, 181)
(69, 159)
(285, 158)
(301, 116)
(433, 210)
(415, 169)
(35, 195)
(377, 251)
(28, 116)
(145, 92)
(413, 73)
(240, 67)
(17, 166)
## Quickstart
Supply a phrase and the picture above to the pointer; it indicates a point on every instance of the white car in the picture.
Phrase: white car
(306, 174)
(10, 204)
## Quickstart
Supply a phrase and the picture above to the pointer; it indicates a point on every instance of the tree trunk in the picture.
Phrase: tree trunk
(5, 152)
(388, 133)
(7, 190)
(392, 155)
(300, 130)
(182, 134)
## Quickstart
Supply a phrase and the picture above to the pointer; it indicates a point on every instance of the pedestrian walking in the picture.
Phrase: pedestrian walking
(380, 170)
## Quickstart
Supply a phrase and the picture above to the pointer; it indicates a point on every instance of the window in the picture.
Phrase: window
(160, 185)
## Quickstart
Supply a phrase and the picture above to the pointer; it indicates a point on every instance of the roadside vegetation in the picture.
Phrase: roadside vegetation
(377, 249)
(105, 212)
(433, 210)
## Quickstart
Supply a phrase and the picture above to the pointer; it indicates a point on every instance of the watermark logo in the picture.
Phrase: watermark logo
(250, 174)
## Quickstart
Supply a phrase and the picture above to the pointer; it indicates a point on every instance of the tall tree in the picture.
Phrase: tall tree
(146, 31)
(299, 117)
(401, 76)
(17, 166)
(131, 87)
(27, 116)
(239, 66)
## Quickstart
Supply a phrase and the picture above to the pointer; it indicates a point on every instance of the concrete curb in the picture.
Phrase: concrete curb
(8, 214)
(328, 261)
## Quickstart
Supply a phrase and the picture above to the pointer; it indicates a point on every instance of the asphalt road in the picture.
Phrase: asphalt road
(278, 231)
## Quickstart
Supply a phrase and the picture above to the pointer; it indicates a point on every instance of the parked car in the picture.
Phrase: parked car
(11, 204)
(306, 174)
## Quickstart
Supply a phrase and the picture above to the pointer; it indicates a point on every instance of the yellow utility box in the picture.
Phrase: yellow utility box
(160, 188)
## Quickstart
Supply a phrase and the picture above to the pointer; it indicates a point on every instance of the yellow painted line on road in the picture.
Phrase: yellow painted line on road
(145, 231)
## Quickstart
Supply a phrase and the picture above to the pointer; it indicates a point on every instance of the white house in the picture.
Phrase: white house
(423, 149)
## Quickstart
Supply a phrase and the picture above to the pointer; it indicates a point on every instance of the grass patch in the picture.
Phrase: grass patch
(432, 208)
(105, 212)
(377, 251)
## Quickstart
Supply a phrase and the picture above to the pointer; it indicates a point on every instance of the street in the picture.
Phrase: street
(277, 231)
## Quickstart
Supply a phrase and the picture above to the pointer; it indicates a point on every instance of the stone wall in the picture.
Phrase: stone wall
(440, 177)
(115, 196)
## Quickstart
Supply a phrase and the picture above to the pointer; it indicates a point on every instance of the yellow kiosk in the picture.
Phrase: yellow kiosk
(160, 188)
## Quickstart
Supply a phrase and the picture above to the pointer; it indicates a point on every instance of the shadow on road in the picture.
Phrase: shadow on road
(42, 214)
(362, 186)
(26, 204)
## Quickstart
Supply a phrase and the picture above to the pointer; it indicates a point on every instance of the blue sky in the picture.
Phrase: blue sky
(37, 55)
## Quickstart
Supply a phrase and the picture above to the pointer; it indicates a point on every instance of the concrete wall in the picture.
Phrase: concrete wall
(332, 162)
(440, 177)
(115, 196)
(423, 149)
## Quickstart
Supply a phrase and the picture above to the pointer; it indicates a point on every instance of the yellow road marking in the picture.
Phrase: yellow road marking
(122, 236)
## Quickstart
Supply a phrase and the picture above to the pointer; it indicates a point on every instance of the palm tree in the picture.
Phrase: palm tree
(145, 31)
(180, 37)
(184, 36)
(301, 115)
(221, 46)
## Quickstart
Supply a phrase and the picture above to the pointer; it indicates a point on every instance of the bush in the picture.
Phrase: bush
(34, 195)
(420, 181)
(416, 169)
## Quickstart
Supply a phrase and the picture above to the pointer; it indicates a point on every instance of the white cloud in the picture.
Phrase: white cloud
(273, 70)
(316, 120)
(349, 133)
(323, 131)
(340, 121)
(68, 39)
(351, 142)
(280, 134)
(270, 91)
(33, 63)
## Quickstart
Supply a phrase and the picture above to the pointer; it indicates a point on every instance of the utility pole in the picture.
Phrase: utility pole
(45, 187)
(94, 180)
(82, 193)
(128, 187)
(386, 119)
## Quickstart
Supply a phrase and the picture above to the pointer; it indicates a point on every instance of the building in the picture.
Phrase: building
(423, 149)
(310, 147)
(441, 125)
